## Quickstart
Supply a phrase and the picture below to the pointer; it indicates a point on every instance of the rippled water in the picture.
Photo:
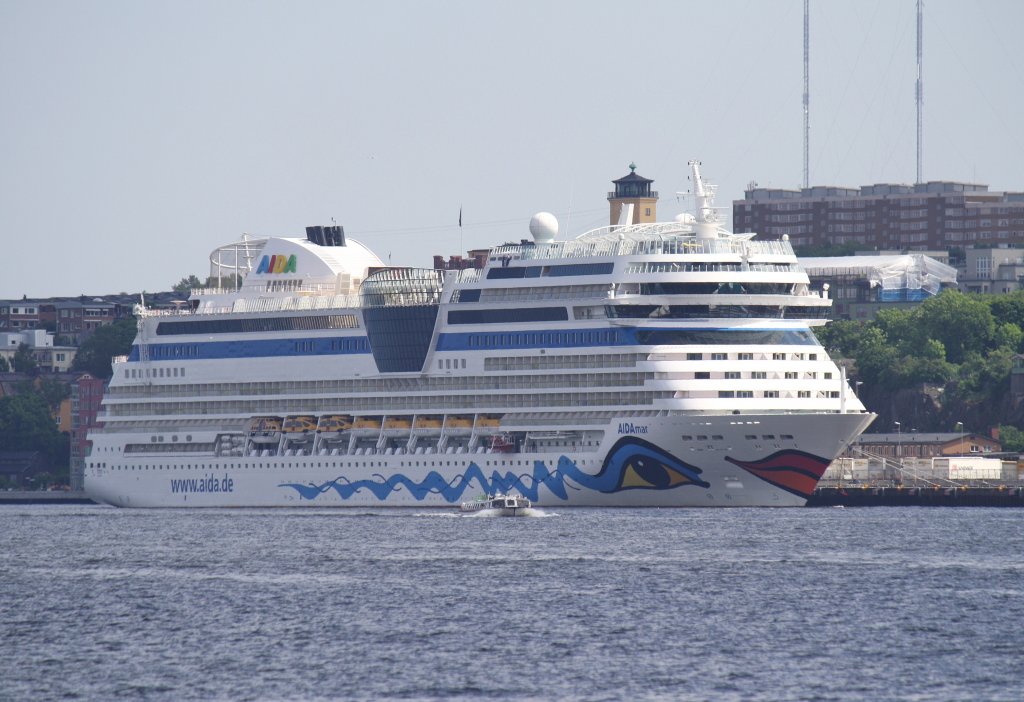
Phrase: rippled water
(585, 604)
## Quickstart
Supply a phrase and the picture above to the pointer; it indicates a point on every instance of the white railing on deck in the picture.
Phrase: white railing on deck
(627, 247)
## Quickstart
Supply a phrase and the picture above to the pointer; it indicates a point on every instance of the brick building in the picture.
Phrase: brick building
(934, 215)
(86, 395)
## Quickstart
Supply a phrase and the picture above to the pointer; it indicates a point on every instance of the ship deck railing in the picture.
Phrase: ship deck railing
(602, 243)
(267, 304)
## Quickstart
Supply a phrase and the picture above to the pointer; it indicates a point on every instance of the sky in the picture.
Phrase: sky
(138, 136)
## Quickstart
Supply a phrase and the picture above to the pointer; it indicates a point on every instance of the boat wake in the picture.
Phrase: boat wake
(534, 512)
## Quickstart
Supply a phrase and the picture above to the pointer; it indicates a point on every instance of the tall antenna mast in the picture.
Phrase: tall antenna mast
(920, 86)
(807, 92)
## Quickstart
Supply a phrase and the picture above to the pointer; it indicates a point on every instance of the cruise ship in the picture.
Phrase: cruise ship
(642, 364)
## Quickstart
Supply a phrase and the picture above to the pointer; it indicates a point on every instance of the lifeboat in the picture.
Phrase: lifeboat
(265, 429)
(502, 443)
(427, 423)
(367, 423)
(330, 425)
(458, 423)
(485, 423)
(300, 424)
(400, 423)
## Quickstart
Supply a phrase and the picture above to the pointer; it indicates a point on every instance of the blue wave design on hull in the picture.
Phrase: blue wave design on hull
(631, 464)
(527, 484)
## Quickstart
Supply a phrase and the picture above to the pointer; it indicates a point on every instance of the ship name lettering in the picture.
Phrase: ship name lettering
(630, 428)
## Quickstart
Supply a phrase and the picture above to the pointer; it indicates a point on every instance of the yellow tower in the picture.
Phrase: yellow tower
(633, 190)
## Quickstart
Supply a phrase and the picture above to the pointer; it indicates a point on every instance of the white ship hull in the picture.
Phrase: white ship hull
(647, 364)
(741, 461)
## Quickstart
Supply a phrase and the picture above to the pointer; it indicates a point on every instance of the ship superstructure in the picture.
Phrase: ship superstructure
(649, 364)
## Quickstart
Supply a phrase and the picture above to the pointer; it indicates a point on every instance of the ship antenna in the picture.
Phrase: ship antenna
(706, 226)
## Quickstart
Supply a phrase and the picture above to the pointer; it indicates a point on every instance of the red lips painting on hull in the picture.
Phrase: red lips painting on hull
(793, 471)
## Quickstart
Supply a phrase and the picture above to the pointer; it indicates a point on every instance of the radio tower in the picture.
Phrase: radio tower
(920, 86)
(807, 93)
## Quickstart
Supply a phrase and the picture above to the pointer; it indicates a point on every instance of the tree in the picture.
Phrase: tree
(24, 361)
(1011, 438)
(52, 391)
(841, 337)
(963, 323)
(185, 285)
(1008, 336)
(26, 425)
(5, 367)
(106, 342)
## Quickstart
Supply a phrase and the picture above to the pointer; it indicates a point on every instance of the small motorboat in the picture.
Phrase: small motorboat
(505, 505)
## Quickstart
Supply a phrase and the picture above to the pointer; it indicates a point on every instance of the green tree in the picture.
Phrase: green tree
(1011, 438)
(875, 356)
(185, 285)
(1008, 336)
(5, 367)
(841, 337)
(1008, 308)
(52, 391)
(901, 329)
(106, 342)
(963, 323)
(26, 425)
(24, 361)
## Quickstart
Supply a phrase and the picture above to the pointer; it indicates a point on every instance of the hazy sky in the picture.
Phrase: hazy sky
(137, 136)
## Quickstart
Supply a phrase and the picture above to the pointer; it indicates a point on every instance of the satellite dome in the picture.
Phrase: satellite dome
(685, 218)
(543, 227)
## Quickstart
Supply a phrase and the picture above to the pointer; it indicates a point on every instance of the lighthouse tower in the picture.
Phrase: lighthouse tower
(633, 201)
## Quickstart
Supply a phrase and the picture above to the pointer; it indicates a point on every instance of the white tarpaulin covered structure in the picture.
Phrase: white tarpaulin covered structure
(903, 276)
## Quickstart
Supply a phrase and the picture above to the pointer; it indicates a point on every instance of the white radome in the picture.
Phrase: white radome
(544, 227)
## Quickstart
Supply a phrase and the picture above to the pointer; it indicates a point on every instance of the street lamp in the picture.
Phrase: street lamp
(899, 439)
(961, 425)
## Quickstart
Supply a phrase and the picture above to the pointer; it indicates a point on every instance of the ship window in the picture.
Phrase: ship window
(726, 393)
(771, 393)
(746, 357)
(719, 356)
(732, 375)
(751, 437)
(744, 393)
(778, 357)
(687, 437)
(702, 375)
(694, 357)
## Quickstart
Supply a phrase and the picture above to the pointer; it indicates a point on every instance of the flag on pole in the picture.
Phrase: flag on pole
(460, 217)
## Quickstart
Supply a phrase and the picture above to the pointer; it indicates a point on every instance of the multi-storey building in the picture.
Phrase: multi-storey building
(86, 397)
(48, 357)
(992, 270)
(16, 315)
(77, 320)
(934, 215)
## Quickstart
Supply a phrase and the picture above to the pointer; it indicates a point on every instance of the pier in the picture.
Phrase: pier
(928, 496)
(45, 497)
